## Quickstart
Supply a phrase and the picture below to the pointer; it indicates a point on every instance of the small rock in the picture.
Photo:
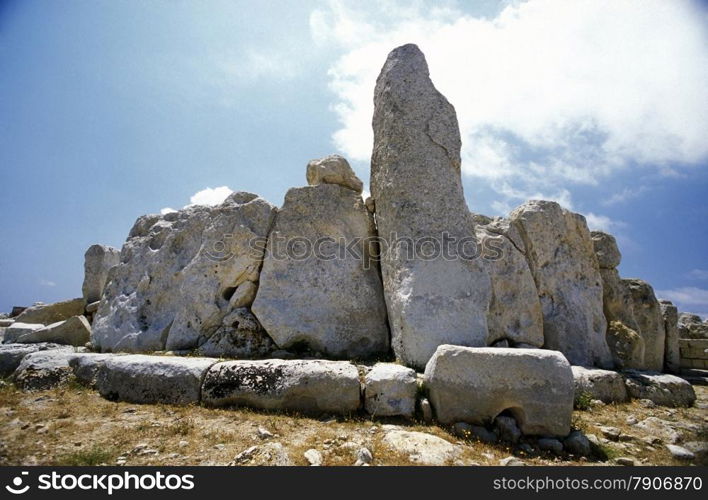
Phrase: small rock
(264, 433)
(647, 403)
(632, 420)
(593, 439)
(627, 461)
(183, 444)
(219, 446)
(612, 433)
(577, 444)
(680, 452)
(314, 457)
(426, 411)
(507, 429)
(597, 402)
(363, 456)
(245, 455)
(550, 444)
(511, 462)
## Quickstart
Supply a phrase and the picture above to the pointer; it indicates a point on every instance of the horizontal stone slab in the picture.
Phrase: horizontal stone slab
(390, 390)
(44, 369)
(307, 386)
(661, 388)
(139, 378)
(475, 384)
(87, 365)
(11, 355)
(605, 385)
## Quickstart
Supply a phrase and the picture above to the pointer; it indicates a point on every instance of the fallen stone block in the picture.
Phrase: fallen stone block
(661, 388)
(11, 355)
(98, 260)
(74, 331)
(308, 386)
(152, 379)
(17, 330)
(605, 385)
(44, 369)
(421, 448)
(476, 384)
(390, 390)
(86, 366)
(51, 313)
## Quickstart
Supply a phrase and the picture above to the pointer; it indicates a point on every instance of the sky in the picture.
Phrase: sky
(110, 110)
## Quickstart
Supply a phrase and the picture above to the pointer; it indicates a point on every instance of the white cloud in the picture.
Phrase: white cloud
(687, 298)
(625, 195)
(601, 222)
(47, 283)
(697, 274)
(167, 210)
(210, 196)
(548, 93)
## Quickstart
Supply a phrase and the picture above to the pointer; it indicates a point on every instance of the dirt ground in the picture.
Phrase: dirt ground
(75, 426)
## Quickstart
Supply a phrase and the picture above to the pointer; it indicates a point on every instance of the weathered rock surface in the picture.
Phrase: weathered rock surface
(239, 336)
(421, 448)
(47, 314)
(152, 379)
(515, 309)
(672, 354)
(606, 250)
(308, 386)
(577, 444)
(11, 355)
(626, 345)
(390, 390)
(660, 429)
(86, 366)
(178, 274)
(44, 369)
(333, 169)
(691, 326)
(415, 180)
(562, 260)
(650, 322)
(605, 385)
(98, 260)
(74, 331)
(314, 293)
(535, 385)
(662, 389)
(17, 330)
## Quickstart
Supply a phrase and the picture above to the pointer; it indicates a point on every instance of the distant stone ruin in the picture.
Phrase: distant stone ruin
(402, 304)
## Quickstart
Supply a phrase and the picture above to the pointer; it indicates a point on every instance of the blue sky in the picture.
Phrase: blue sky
(110, 110)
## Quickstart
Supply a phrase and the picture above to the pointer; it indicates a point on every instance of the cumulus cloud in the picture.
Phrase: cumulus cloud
(601, 222)
(548, 93)
(697, 274)
(210, 196)
(687, 298)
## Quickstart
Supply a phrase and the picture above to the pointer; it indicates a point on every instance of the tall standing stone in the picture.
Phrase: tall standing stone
(672, 355)
(623, 334)
(186, 279)
(98, 260)
(319, 288)
(561, 257)
(647, 312)
(417, 188)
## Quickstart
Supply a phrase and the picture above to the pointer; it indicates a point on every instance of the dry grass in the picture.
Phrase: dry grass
(75, 426)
